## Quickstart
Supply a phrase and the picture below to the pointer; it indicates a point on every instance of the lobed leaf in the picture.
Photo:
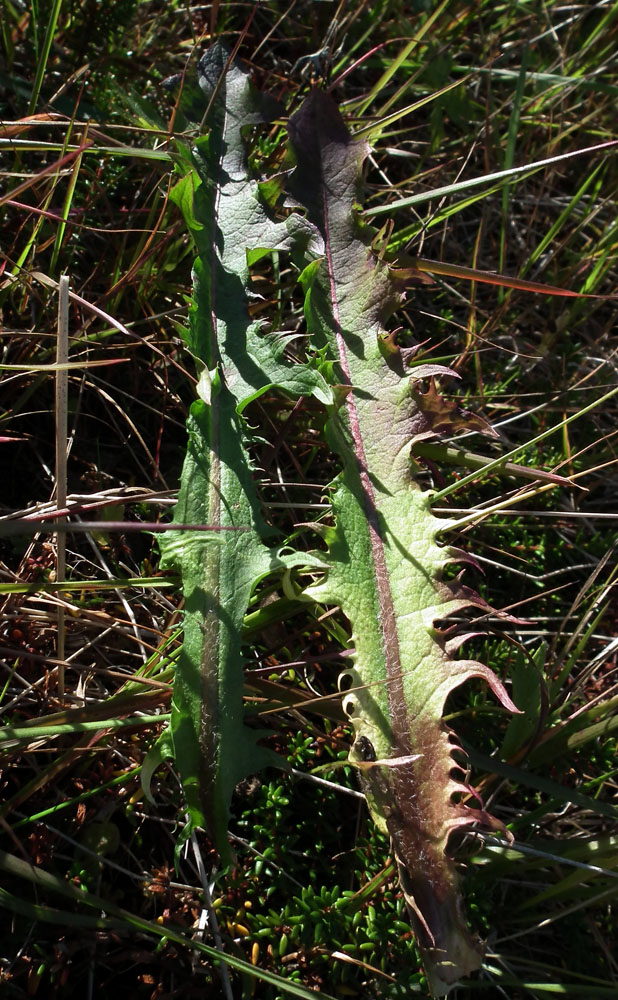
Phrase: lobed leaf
(385, 563)
(212, 747)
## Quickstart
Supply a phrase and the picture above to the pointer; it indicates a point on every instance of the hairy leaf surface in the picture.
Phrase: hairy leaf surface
(385, 561)
(237, 363)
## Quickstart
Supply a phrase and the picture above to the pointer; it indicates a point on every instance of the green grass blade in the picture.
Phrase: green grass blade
(123, 919)
(43, 56)
(489, 179)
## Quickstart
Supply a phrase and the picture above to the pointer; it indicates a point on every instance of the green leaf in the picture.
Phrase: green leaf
(212, 747)
(385, 563)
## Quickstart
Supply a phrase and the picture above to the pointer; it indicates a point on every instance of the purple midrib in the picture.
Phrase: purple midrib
(390, 637)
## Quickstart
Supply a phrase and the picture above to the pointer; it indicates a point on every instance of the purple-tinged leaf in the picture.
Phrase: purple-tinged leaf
(385, 563)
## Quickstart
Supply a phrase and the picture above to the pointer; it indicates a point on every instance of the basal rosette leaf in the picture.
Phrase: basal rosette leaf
(212, 747)
(385, 562)
(232, 227)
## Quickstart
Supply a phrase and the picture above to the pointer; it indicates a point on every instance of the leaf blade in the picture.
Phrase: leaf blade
(385, 564)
